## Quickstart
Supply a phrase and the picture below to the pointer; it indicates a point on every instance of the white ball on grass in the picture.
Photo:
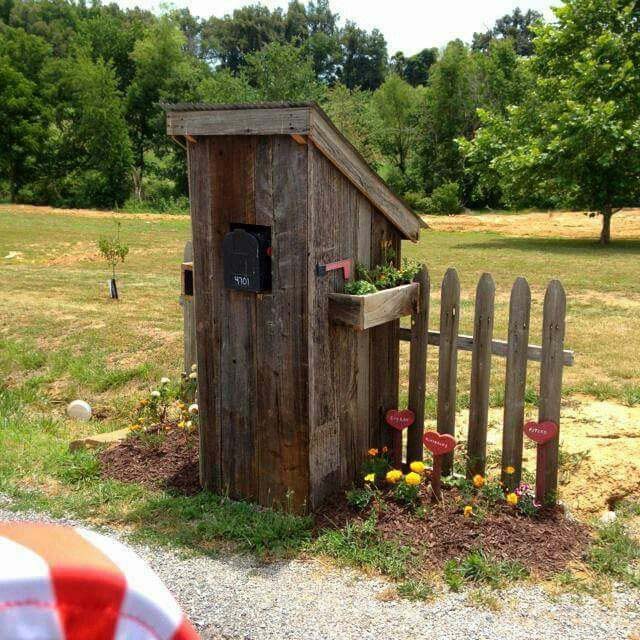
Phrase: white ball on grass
(79, 410)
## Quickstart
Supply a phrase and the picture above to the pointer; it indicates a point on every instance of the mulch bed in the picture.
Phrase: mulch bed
(168, 459)
(161, 459)
(544, 545)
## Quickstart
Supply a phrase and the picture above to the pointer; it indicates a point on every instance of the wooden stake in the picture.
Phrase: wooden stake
(436, 477)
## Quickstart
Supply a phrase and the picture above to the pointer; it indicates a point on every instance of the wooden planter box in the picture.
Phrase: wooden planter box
(373, 309)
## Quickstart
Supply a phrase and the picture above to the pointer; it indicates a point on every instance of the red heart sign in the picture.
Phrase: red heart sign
(541, 432)
(439, 443)
(400, 419)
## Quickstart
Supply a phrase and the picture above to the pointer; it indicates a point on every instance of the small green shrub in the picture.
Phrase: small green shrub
(417, 201)
(631, 395)
(415, 590)
(112, 249)
(406, 493)
(445, 199)
(478, 568)
(359, 498)
(359, 288)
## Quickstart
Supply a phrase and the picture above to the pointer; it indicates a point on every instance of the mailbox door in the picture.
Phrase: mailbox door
(241, 257)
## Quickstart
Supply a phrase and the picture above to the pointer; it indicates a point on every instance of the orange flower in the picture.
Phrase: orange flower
(373, 452)
(478, 481)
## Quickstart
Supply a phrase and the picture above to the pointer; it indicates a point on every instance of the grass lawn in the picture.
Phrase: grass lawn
(62, 338)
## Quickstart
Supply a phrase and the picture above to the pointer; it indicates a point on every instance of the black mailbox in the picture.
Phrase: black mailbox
(246, 252)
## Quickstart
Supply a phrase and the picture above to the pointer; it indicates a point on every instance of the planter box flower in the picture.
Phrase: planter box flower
(373, 309)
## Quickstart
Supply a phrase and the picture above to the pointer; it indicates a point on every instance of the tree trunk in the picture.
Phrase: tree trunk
(605, 234)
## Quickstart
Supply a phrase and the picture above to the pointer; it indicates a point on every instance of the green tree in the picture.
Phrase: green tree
(352, 112)
(448, 113)
(24, 116)
(396, 102)
(90, 153)
(577, 136)
(163, 71)
(364, 58)
(517, 26)
(228, 40)
(281, 72)
(224, 88)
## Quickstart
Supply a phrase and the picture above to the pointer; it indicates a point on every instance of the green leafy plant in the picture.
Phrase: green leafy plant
(478, 567)
(382, 276)
(359, 288)
(444, 199)
(376, 463)
(407, 494)
(420, 589)
(360, 497)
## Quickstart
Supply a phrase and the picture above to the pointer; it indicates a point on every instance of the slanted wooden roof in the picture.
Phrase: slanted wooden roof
(301, 120)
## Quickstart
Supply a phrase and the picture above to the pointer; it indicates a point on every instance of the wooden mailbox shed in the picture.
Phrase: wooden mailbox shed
(290, 400)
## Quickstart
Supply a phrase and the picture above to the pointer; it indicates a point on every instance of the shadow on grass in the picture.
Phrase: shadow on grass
(199, 521)
(560, 246)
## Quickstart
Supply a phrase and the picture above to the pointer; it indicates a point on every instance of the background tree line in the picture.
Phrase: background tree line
(470, 124)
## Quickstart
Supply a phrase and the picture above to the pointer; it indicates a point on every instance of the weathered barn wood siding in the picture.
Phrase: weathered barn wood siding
(255, 362)
(349, 384)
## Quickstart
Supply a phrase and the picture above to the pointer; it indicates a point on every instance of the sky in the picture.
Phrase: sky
(408, 25)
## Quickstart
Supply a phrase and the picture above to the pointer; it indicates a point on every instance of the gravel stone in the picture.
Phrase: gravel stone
(237, 597)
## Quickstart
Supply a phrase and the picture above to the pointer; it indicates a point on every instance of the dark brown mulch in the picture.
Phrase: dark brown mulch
(544, 545)
(168, 459)
(163, 459)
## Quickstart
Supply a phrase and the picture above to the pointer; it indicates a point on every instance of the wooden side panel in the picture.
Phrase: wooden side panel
(233, 200)
(281, 352)
(335, 442)
(203, 276)
(384, 346)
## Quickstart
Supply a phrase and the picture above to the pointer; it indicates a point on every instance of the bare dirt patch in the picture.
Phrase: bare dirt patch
(552, 224)
(600, 452)
(80, 213)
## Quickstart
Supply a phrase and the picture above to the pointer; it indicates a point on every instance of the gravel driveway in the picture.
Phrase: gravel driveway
(239, 598)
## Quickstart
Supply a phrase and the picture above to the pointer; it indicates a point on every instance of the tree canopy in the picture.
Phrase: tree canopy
(526, 114)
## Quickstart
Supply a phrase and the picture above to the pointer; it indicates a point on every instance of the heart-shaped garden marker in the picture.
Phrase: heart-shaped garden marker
(400, 419)
(439, 443)
(541, 432)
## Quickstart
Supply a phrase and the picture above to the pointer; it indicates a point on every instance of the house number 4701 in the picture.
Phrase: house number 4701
(241, 281)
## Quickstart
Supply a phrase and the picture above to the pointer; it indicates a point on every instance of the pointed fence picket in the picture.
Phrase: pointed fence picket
(517, 351)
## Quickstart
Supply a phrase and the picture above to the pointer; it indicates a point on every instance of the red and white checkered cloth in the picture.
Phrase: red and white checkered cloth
(68, 583)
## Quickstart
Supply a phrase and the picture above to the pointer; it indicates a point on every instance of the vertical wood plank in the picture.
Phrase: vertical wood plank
(324, 427)
(553, 331)
(480, 376)
(448, 359)
(515, 382)
(188, 318)
(234, 201)
(281, 352)
(204, 307)
(418, 366)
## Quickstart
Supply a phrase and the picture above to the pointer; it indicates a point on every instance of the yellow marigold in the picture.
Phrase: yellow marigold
(181, 424)
(478, 481)
(413, 478)
(373, 452)
(393, 476)
(512, 499)
(135, 427)
(144, 403)
(509, 470)
(417, 466)
(468, 510)
(370, 477)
